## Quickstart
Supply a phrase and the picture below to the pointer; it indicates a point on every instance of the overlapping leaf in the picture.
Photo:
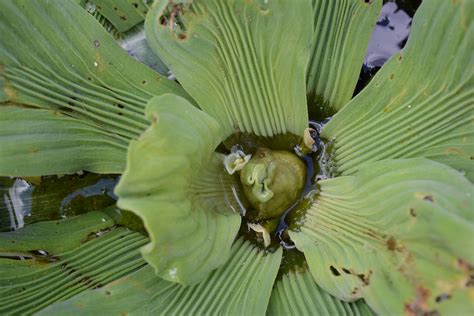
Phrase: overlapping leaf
(342, 31)
(122, 14)
(243, 62)
(398, 233)
(37, 142)
(421, 103)
(241, 287)
(296, 293)
(50, 261)
(177, 184)
(76, 69)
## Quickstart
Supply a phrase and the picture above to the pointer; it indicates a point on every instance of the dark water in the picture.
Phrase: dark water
(25, 201)
(389, 36)
(36, 199)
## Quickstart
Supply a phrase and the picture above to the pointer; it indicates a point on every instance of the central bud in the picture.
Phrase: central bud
(272, 181)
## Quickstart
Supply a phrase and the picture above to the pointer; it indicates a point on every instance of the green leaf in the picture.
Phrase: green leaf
(398, 234)
(296, 293)
(177, 184)
(342, 32)
(74, 68)
(54, 236)
(248, 60)
(50, 261)
(123, 14)
(39, 142)
(421, 103)
(241, 287)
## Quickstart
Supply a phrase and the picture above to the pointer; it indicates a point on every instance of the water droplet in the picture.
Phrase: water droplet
(172, 272)
(90, 7)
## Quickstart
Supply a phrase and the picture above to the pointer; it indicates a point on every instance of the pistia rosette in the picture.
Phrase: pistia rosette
(218, 161)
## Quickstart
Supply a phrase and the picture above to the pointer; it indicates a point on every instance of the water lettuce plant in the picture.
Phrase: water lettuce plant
(248, 207)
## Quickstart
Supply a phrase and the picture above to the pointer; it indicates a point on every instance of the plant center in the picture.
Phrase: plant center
(272, 181)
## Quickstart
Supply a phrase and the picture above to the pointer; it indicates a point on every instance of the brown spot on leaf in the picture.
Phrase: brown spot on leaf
(470, 281)
(452, 150)
(428, 198)
(419, 306)
(96, 44)
(365, 278)
(412, 212)
(391, 244)
(465, 266)
(424, 196)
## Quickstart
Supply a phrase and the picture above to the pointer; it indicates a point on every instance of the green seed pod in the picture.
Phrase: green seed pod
(272, 181)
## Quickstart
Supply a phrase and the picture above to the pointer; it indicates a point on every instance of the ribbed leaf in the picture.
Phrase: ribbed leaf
(36, 142)
(75, 68)
(241, 287)
(177, 184)
(342, 31)
(398, 233)
(54, 236)
(63, 258)
(248, 59)
(421, 103)
(296, 293)
(123, 14)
